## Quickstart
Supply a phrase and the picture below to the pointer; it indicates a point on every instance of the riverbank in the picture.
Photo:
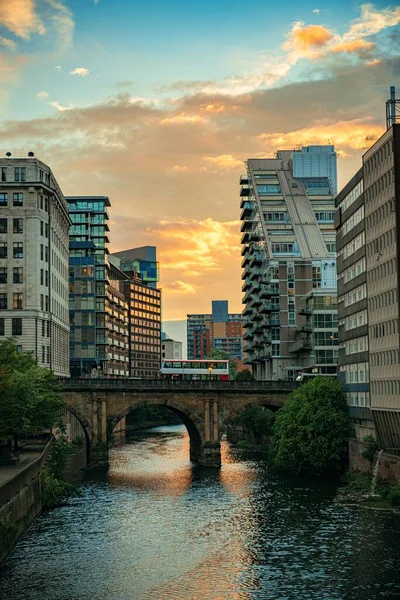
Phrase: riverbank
(368, 491)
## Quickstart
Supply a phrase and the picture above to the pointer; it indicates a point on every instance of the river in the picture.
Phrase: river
(157, 528)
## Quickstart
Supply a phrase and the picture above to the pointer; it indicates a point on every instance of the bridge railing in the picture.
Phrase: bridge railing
(178, 384)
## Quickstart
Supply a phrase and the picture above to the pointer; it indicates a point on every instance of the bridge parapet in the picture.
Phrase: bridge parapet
(164, 385)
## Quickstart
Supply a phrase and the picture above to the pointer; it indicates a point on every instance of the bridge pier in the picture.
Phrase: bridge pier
(99, 450)
(208, 453)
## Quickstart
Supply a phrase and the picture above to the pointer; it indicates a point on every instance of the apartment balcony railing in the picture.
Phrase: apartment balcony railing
(270, 290)
(306, 328)
(301, 345)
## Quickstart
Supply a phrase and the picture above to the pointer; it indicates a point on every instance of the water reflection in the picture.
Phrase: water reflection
(156, 528)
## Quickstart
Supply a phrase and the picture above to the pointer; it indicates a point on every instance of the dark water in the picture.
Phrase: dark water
(157, 529)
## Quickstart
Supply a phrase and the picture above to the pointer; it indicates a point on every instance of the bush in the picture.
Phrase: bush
(55, 491)
(370, 447)
(394, 496)
(255, 420)
(311, 431)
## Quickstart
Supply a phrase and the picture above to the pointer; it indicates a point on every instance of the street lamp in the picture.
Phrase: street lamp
(210, 368)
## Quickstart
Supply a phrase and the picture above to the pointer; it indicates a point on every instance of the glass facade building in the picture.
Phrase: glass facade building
(316, 161)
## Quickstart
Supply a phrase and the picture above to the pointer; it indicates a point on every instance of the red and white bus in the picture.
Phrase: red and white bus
(195, 369)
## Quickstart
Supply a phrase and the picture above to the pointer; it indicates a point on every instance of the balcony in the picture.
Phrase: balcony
(244, 180)
(270, 290)
(246, 225)
(304, 328)
(244, 191)
(255, 273)
(246, 285)
(307, 312)
(268, 307)
(247, 210)
(301, 345)
(255, 259)
(245, 238)
(245, 260)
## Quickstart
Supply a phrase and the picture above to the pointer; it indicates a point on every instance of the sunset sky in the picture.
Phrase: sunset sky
(157, 104)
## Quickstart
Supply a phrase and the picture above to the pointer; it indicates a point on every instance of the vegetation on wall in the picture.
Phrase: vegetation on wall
(55, 488)
(311, 430)
(253, 424)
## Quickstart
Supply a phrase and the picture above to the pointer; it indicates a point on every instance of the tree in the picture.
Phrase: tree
(245, 375)
(218, 354)
(312, 429)
(29, 395)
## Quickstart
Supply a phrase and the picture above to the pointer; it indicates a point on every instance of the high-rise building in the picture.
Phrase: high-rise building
(288, 249)
(170, 348)
(218, 330)
(98, 309)
(34, 226)
(368, 229)
(316, 161)
(144, 301)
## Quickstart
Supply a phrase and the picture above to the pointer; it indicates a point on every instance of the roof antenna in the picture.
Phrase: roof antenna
(392, 109)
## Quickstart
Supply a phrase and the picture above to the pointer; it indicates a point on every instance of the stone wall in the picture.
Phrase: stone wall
(389, 464)
(20, 503)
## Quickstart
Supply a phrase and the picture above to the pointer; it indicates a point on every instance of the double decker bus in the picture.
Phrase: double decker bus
(195, 369)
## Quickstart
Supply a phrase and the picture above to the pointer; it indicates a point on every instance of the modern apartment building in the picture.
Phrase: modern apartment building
(289, 265)
(143, 262)
(377, 253)
(170, 348)
(34, 226)
(316, 161)
(98, 309)
(144, 302)
(352, 303)
(219, 330)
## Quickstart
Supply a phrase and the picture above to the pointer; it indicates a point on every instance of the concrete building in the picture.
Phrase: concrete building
(375, 245)
(352, 303)
(34, 226)
(216, 330)
(289, 276)
(170, 348)
(98, 309)
(144, 302)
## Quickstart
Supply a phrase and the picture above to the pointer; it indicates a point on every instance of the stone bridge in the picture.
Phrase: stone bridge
(203, 406)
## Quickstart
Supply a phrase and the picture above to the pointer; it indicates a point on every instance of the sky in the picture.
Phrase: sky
(158, 104)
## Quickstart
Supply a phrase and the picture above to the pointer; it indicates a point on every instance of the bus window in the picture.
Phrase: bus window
(167, 365)
(177, 365)
(187, 365)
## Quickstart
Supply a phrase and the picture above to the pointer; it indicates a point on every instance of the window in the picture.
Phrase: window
(3, 274)
(16, 174)
(4, 173)
(41, 227)
(2, 327)
(41, 302)
(41, 252)
(18, 199)
(46, 229)
(18, 226)
(18, 250)
(3, 249)
(4, 199)
(41, 277)
(17, 326)
(269, 188)
(17, 301)
(316, 277)
(23, 173)
(3, 225)
(284, 248)
(3, 300)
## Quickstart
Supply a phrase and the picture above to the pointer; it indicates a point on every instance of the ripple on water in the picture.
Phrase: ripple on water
(156, 529)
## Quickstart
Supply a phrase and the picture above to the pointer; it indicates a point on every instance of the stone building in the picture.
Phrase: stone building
(34, 225)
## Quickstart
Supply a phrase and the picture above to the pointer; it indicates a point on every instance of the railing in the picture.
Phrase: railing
(177, 384)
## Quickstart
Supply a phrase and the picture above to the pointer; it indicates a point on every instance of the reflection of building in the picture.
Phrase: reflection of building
(144, 301)
(34, 226)
(98, 309)
(218, 330)
(288, 249)
(368, 226)
(170, 348)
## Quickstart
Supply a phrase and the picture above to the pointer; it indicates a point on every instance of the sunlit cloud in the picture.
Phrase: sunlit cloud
(182, 119)
(224, 162)
(80, 71)
(180, 287)
(42, 94)
(360, 46)
(61, 21)
(57, 68)
(60, 107)
(21, 18)
(7, 43)
(179, 168)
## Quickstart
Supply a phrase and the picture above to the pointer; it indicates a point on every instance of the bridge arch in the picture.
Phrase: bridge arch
(192, 421)
(86, 428)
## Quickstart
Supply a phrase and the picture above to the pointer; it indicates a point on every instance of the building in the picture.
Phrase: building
(144, 301)
(316, 161)
(289, 266)
(368, 229)
(352, 303)
(34, 226)
(142, 261)
(170, 348)
(98, 309)
(218, 330)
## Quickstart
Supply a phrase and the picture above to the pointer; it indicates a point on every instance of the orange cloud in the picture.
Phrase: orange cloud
(20, 17)
(310, 36)
(224, 162)
(179, 168)
(180, 287)
(181, 119)
(353, 46)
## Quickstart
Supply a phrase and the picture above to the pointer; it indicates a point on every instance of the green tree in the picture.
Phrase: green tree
(218, 354)
(29, 394)
(245, 375)
(256, 422)
(312, 429)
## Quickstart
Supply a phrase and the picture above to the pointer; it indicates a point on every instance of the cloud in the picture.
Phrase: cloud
(42, 94)
(180, 287)
(316, 11)
(20, 17)
(303, 37)
(80, 71)
(60, 107)
(224, 162)
(360, 46)
(61, 22)
(7, 43)
(182, 119)
(179, 168)
(57, 68)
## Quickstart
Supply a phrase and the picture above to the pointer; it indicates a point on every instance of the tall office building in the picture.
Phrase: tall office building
(140, 278)
(218, 330)
(98, 309)
(34, 226)
(368, 229)
(288, 249)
